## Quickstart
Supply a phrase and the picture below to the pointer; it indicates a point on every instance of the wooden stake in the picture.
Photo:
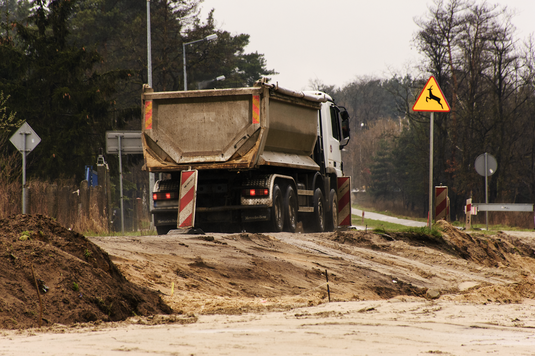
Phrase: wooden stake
(39, 295)
(328, 290)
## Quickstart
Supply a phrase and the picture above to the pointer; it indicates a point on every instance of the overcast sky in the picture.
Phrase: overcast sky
(336, 41)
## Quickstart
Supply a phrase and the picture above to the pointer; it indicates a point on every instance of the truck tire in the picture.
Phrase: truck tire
(290, 209)
(332, 216)
(319, 211)
(277, 211)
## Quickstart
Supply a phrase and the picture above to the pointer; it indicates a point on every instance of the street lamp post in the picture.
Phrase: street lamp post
(208, 38)
(149, 50)
(152, 176)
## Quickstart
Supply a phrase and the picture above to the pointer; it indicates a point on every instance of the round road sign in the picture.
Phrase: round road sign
(492, 165)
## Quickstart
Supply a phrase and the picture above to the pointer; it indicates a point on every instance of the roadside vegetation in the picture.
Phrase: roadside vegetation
(479, 227)
(66, 72)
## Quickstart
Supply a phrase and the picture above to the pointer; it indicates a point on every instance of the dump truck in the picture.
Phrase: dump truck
(264, 157)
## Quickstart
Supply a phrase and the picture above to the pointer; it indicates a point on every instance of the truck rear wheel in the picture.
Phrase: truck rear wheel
(277, 211)
(290, 209)
(332, 217)
(319, 211)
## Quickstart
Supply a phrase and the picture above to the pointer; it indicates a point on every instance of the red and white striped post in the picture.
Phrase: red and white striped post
(468, 212)
(344, 201)
(441, 203)
(187, 199)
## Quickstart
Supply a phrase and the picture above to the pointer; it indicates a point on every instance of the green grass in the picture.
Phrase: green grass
(376, 224)
(384, 227)
(493, 229)
(424, 231)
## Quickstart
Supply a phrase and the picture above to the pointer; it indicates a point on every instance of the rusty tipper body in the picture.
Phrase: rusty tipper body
(265, 156)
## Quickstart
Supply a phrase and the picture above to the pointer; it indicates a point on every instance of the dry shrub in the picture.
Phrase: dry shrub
(37, 191)
(10, 181)
(10, 198)
(95, 220)
(72, 215)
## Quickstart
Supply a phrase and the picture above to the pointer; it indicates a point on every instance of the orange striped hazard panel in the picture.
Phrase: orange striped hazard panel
(256, 109)
(344, 201)
(186, 203)
(148, 115)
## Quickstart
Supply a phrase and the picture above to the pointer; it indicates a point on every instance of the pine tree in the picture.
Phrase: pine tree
(54, 88)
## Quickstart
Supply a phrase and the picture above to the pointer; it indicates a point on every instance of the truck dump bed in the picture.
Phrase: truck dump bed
(229, 129)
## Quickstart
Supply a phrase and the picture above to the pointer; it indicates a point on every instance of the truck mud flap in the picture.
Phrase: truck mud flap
(215, 217)
(165, 219)
(254, 215)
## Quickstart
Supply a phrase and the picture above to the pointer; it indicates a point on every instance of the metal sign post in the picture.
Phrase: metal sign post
(119, 153)
(433, 101)
(25, 140)
(486, 165)
(24, 191)
(486, 189)
(431, 130)
(123, 142)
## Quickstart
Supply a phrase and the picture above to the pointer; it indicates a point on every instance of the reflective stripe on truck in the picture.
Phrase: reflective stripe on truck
(256, 109)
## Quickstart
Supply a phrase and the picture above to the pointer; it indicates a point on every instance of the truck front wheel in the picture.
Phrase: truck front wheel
(319, 211)
(277, 216)
(332, 218)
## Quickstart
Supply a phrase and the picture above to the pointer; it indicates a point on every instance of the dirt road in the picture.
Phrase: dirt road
(393, 327)
(239, 294)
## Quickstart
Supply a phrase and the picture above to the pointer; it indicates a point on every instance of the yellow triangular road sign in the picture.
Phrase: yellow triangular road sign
(431, 98)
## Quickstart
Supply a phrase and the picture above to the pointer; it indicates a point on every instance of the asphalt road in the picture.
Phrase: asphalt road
(390, 219)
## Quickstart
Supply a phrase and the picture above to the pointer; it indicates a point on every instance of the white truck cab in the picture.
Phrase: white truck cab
(333, 130)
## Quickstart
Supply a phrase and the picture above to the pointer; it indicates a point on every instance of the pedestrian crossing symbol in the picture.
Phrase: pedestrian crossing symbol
(431, 98)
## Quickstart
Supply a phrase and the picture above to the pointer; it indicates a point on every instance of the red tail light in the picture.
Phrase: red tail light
(164, 196)
(250, 193)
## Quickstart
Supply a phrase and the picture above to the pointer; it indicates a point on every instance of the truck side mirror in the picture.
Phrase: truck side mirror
(345, 128)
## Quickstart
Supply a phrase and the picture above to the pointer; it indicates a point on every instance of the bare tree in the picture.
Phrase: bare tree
(471, 49)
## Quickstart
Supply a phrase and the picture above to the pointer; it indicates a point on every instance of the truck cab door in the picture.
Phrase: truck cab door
(333, 139)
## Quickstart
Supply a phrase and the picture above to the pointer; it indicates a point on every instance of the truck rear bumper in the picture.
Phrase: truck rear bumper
(219, 214)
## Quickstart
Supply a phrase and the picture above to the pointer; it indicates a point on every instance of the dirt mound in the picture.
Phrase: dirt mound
(487, 250)
(76, 279)
(366, 239)
(425, 260)
(492, 251)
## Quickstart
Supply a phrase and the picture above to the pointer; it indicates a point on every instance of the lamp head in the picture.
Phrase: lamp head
(211, 37)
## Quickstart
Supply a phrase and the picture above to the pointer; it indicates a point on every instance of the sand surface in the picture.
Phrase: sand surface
(399, 326)
(266, 294)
